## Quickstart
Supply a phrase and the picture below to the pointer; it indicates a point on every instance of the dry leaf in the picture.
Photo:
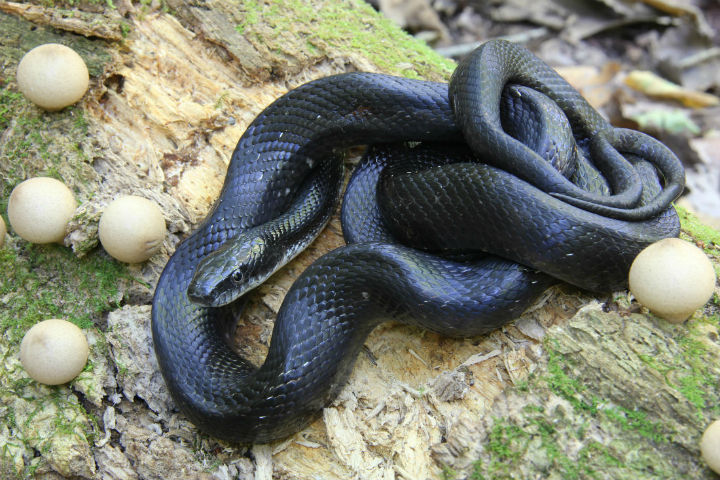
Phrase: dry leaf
(655, 86)
(595, 84)
(654, 117)
(680, 8)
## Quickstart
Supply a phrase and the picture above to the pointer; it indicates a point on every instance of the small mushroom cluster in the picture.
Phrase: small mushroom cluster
(131, 228)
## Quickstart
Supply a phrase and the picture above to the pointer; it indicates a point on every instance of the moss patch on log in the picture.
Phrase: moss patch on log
(36, 142)
(621, 395)
(48, 428)
(82, 289)
(41, 282)
(277, 39)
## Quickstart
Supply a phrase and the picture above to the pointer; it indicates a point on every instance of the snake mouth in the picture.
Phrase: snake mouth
(199, 297)
(207, 295)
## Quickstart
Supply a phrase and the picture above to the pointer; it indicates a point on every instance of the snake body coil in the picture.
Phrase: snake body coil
(284, 180)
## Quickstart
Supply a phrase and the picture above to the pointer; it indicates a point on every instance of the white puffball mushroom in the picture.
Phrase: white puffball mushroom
(710, 446)
(40, 208)
(3, 231)
(672, 278)
(132, 229)
(54, 351)
(52, 76)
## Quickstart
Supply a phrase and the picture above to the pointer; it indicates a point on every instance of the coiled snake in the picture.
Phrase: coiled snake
(284, 180)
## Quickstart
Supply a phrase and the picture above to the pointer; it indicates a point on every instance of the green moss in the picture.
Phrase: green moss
(42, 144)
(570, 468)
(49, 419)
(636, 421)
(343, 26)
(252, 12)
(698, 382)
(124, 29)
(585, 402)
(697, 230)
(539, 441)
(571, 389)
(36, 142)
(570, 403)
(7, 466)
(82, 288)
(20, 36)
(9, 103)
(506, 444)
(713, 319)
(691, 375)
(448, 473)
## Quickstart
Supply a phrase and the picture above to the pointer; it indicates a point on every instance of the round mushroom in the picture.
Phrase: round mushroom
(710, 446)
(3, 231)
(40, 208)
(132, 229)
(52, 76)
(54, 351)
(672, 278)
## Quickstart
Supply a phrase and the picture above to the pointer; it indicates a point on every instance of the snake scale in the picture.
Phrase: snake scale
(496, 194)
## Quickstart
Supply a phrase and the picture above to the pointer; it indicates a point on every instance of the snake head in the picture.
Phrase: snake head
(232, 270)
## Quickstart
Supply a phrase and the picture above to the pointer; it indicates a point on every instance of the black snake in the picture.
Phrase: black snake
(284, 180)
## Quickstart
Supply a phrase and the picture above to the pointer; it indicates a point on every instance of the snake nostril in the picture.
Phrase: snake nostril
(199, 293)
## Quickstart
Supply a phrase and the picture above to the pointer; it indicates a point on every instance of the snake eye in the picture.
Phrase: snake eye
(237, 276)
